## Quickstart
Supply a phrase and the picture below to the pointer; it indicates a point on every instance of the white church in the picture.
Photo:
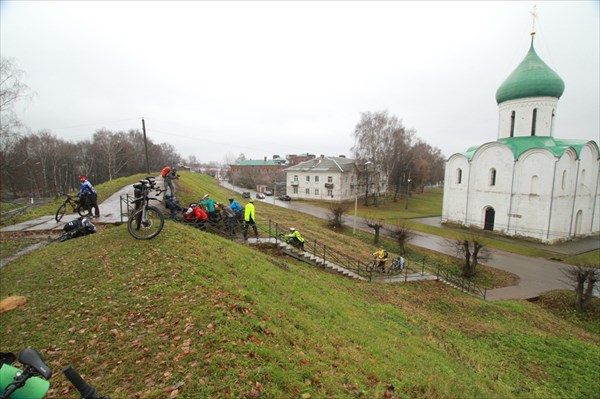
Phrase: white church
(527, 183)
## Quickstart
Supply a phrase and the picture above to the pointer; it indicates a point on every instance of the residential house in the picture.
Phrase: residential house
(323, 178)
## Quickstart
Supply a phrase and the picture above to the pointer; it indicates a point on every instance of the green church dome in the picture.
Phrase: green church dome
(532, 78)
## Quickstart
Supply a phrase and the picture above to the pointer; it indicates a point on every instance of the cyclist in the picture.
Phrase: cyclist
(88, 193)
(295, 238)
(381, 257)
(249, 219)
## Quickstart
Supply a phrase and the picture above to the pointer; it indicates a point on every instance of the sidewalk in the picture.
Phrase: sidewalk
(112, 210)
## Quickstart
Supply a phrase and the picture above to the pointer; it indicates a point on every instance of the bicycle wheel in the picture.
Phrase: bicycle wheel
(145, 228)
(60, 212)
(84, 210)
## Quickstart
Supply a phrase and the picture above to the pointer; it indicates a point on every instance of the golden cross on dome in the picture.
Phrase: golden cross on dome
(533, 13)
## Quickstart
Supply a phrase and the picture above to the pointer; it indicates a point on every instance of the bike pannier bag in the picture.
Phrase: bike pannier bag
(165, 171)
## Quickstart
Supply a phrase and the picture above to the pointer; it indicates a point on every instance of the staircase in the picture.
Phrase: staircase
(307, 257)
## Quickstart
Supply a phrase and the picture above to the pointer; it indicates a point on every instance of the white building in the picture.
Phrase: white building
(526, 183)
(323, 178)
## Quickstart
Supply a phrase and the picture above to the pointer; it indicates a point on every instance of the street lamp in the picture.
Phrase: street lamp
(407, 193)
(366, 165)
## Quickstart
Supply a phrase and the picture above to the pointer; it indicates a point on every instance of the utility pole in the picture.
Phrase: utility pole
(146, 147)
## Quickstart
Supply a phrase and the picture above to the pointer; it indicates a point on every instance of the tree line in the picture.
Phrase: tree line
(41, 164)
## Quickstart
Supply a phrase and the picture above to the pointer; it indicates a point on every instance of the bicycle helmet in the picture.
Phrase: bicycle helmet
(292, 229)
(230, 199)
(205, 196)
(251, 200)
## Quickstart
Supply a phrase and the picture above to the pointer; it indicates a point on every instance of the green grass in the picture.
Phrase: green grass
(139, 317)
(191, 315)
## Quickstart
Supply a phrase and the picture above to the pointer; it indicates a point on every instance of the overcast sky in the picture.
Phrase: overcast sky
(265, 78)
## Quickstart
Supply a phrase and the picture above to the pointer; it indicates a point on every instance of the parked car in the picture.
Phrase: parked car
(268, 192)
(285, 197)
(260, 196)
(246, 194)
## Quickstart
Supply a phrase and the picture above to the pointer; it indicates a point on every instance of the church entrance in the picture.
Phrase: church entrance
(490, 214)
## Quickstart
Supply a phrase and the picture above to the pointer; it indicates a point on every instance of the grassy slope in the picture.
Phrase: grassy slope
(143, 317)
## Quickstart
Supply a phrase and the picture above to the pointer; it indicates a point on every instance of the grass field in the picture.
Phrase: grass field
(192, 315)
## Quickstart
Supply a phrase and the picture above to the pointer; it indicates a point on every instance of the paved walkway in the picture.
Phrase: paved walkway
(536, 275)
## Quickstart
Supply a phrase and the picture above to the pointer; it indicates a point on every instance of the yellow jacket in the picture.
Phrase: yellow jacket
(249, 212)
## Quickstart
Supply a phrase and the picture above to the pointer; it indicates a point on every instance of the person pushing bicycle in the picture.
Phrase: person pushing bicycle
(88, 193)
(381, 256)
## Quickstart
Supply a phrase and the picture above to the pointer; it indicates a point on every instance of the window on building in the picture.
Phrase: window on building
(295, 189)
(330, 179)
(308, 191)
(582, 178)
(316, 191)
(512, 124)
(308, 178)
(316, 179)
(533, 121)
(492, 177)
(458, 176)
(330, 193)
(552, 123)
(535, 181)
(295, 177)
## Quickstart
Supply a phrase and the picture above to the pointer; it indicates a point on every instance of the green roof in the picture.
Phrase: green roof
(257, 162)
(519, 145)
(532, 78)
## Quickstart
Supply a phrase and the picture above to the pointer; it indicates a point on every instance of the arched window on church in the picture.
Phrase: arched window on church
(563, 182)
(582, 179)
(492, 177)
(458, 176)
(512, 124)
(533, 121)
(534, 185)
(552, 123)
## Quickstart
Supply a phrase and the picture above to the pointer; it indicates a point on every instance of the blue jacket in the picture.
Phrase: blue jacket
(235, 206)
(86, 188)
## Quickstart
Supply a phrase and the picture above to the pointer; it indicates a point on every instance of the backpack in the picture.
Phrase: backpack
(165, 171)
(77, 228)
(385, 254)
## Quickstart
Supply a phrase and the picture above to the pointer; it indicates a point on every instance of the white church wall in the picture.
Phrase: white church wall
(486, 193)
(523, 108)
(587, 196)
(455, 192)
(565, 177)
(532, 198)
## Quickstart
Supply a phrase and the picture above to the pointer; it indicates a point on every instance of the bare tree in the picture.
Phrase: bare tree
(584, 277)
(376, 225)
(472, 249)
(12, 90)
(336, 214)
(403, 235)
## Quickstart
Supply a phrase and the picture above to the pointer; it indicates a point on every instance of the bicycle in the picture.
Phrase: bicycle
(145, 221)
(397, 265)
(82, 207)
(380, 268)
(32, 382)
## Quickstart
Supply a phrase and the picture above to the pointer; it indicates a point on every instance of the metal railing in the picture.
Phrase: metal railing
(460, 283)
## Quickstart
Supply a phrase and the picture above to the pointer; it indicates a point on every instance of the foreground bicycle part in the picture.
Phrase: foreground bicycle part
(145, 223)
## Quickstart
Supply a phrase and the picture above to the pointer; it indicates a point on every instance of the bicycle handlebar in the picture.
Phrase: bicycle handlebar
(85, 390)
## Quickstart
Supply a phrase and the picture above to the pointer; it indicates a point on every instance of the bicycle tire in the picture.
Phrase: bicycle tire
(145, 230)
(60, 212)
(84, 211)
